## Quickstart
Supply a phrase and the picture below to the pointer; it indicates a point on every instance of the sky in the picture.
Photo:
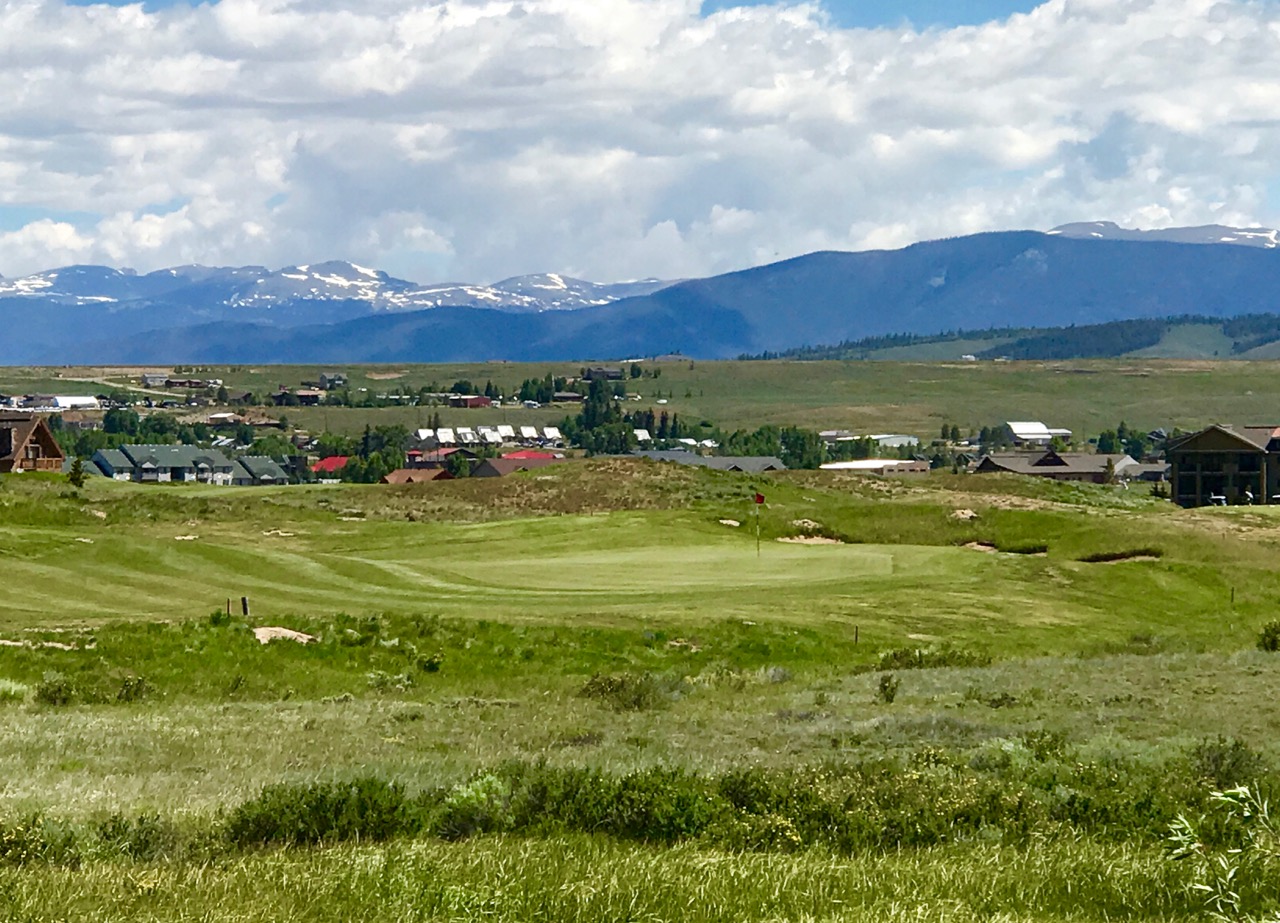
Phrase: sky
(471, 140)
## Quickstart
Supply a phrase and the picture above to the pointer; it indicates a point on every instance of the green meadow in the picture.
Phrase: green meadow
(914, 397)
(585, 693)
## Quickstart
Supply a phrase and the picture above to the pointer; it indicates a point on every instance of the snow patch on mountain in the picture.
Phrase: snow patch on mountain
(1267, 238)
(255, 287)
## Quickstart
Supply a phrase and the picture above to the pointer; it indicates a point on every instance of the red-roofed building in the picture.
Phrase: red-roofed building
(526, 454)
(331, 465)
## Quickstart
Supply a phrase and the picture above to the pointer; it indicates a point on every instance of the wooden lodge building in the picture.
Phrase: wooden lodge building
(27, 444)
(1226, 464)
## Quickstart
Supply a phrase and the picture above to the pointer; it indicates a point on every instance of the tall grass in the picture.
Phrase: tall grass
(587, 880)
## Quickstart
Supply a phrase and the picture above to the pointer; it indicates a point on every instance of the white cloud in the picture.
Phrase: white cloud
(476, 139)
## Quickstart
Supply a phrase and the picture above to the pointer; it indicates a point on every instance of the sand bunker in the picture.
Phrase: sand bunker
(268, 634)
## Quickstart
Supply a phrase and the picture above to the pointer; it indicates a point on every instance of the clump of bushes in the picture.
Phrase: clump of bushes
(35, 839)
(145, 838)
(55, 689)
(1007, 790)
(1269, 637)
(134, 689)
(633, 691)
(11, 691)
(911, 658)
(1225, 761)
(322, 812)
(887, 688)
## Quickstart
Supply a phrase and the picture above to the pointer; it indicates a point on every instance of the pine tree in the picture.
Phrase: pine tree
(76, 475)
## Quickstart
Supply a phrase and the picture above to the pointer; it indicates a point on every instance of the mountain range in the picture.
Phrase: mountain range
(1079, 274)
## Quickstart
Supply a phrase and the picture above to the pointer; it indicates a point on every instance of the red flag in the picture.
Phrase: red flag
(759, 498)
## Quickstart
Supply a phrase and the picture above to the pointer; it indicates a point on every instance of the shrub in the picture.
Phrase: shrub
(13, 692)
(34, 839)
(480, 806)
(909, 658)
(145, 838)
(55, 689)
(1225, 762)
(887, 688)
(1269, 637)
(133, 689)
(295, 815)
(633, 691)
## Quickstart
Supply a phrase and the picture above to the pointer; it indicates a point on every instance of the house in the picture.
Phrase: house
(165, 464)
(302, 397)
(331, 380)
(1225, 464)
(154, 379)
(416, 476)
(1034, 433)
(602, 374)
(469, 400)
(528, 454)
(885, 467)
(330, 466)
(113, 464)
(255, 470)
(436, 458)
(1060, 466)
(189, 384)
(750, 464)
(501, 467)
(567, 397)
(27, 444)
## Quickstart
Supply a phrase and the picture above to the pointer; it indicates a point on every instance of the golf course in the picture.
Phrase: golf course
(591, 692)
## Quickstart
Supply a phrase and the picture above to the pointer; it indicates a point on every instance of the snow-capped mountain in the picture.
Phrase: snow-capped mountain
(1205, 234)
(207, 289)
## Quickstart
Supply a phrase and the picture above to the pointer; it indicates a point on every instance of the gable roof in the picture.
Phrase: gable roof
(1053, 462)
(529, 453)
(751, 464)
(18, 430)
(1258, 437)
(331, 465)
(262, 468)
(175, 456)
(501, 467)
(416, 475)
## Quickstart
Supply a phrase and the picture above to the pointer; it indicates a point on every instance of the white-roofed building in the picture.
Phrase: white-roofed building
(491, 437)
(880, 466)
(424, 435)
(642, 435)
(506, 432)
(528, 432)
(1033, 432)
(467, 436)
(552, 434)
(446, 436)
(75, 403)
(894, 440)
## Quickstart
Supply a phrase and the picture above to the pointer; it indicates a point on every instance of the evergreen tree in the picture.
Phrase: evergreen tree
(77, 474)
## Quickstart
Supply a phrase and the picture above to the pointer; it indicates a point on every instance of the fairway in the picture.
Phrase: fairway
(623, 564)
